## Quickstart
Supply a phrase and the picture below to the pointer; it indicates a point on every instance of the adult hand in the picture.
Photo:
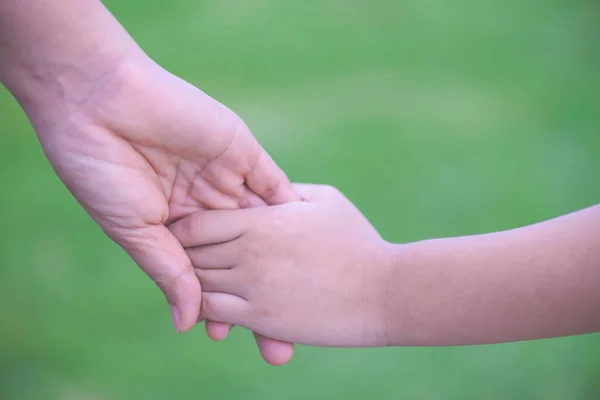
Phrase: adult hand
(137, 146)
(147, 148)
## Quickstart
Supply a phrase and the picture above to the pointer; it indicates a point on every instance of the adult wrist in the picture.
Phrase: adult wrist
(56, 52)
(52, 84)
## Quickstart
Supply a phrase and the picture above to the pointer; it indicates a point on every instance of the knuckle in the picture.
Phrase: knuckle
(253, 276)
(179, 284)
(251, 253)
(264, 313)
(271, 189)
(263, 278)
(208, 309)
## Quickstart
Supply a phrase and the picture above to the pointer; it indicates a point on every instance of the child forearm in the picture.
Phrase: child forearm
(534, 282)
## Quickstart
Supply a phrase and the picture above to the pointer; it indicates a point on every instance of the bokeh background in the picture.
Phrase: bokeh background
(436, 117)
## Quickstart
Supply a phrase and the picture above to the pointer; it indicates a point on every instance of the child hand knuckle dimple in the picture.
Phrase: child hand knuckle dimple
(250, 252)
(253, 277)
(268, 280)
(264, 313)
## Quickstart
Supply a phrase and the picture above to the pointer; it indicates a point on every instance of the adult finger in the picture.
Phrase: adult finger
(164, 260)
(269, 182)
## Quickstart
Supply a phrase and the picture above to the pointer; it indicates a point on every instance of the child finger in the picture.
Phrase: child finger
(214, 256)
(221, 281)
(224, 307)
(208, 227)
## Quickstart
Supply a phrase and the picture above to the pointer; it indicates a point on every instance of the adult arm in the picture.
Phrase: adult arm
(137, 146)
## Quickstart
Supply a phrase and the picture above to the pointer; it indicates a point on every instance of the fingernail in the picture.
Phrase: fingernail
(176, 316)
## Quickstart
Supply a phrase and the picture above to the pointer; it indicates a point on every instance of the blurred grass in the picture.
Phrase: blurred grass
(436, 117)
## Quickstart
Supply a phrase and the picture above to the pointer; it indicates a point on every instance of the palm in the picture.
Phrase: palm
(156, 149)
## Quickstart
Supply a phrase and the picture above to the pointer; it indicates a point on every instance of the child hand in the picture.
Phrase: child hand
(300, 272)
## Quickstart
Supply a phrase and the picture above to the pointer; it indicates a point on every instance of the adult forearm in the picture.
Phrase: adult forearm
(534, 282)
(56, 49)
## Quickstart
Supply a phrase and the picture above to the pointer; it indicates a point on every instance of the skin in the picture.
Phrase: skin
(138, 147)
(317, 273)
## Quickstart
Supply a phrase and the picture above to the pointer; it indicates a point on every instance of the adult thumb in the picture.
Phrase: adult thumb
(158, 253)
(269, 182)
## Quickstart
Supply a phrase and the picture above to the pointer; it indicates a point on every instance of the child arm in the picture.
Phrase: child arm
(533, 282)
(317, 273)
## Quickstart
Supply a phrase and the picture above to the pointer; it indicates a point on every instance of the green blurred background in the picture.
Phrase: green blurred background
(436, 117)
